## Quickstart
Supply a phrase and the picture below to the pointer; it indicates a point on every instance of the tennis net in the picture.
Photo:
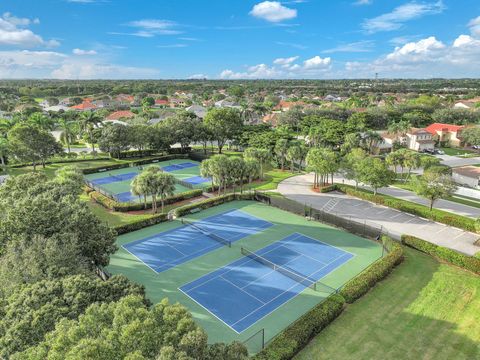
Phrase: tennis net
(208, 233)
(289, 273)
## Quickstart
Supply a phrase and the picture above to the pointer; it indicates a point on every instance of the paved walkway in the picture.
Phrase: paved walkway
(455, 161)
(396, 223)
(445, 205)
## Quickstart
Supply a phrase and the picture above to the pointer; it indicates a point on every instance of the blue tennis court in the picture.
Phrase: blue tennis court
(197, 180)
(175, 167)
(165, 250)
(245, 291)
(114, 178)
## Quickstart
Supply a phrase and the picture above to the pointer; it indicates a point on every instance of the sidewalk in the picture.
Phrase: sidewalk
(298, 188)
(445, 205)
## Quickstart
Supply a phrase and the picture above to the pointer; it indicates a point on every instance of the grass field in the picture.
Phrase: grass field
(166, 284)
(51, 168)
(459, 152)
(423, 310)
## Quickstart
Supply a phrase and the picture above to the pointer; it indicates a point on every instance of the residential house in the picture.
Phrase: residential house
(227, 104)
(287, 105)
(177, 102)
(386, 144)
(123, 114)
(85, 106)
(419, 140)
(467, 176)
(446, 134)
(65, 102)
(162, 103)
(56, 108)
(115, 122)
(271, 119)
(332, 98)
(198, 110)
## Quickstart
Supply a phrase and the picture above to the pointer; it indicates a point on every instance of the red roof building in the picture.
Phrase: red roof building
(446, 134)
(117, 115)
(161, 102)
(84, 106)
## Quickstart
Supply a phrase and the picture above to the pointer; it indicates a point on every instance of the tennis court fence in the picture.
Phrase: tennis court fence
(365, 228)
(101, 190)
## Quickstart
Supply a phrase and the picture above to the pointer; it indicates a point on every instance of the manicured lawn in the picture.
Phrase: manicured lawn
(423, 310)
(459, 152)
(272, 179)
(113, 218)
(465, 201)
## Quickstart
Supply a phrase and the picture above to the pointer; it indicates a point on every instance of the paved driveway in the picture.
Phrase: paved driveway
(454, 161)
(298, 188)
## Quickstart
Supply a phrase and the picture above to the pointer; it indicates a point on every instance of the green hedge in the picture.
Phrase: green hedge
(294, 338)
(129, 206)
(440, 216)
(361, 284)
(137, 225)
(61, 161)
(470, 263)
(214, 201)
(329, 188)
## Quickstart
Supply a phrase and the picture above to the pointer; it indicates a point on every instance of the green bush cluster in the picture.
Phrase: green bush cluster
(470, 263)
(361, 284)
(440, 216)
(205, 204)
(329, 188)
(137, 225)
(125, 207)
(296, 336)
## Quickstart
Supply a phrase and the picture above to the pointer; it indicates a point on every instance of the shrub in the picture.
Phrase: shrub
(137, 225)
(470, 263)
(361, 284)
(296, 336)
(205, 204)
(440, 216)
(329, 188)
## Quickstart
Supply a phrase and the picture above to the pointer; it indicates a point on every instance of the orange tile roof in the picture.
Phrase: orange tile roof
(84, 106)
(434, 128)
(124, 114)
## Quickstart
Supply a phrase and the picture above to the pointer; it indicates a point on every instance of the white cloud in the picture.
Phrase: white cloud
(474, 26)
(317, 63)
(198, 76)
(285, 61)
(83, 52)
(273, 11)
(395, 19)
(49, 64)
(425, 58)
(354, 47)
(416, 51)
(363, 2)
(13, 32)
(148, 28)
(282, 68)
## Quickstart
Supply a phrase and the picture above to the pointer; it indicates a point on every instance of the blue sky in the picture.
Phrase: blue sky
(234, 39)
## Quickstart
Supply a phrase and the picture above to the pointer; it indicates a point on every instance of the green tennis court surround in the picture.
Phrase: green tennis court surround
(210, 305)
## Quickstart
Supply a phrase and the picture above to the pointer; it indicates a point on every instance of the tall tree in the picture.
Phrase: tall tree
(433, 186)
(374, 172)
(224, 124)
(263, 156)
(281, 148)
(89, 121)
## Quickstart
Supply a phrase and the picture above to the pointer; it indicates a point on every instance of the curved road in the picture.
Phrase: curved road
(395, 222)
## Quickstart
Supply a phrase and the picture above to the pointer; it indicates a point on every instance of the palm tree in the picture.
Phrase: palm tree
(163, 185)
(369, 138)
(5, 126)
(138, 188)
(89, 121)
(68, 130)
(206, 171)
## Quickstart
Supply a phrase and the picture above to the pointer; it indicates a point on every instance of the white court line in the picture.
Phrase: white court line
(239, 288)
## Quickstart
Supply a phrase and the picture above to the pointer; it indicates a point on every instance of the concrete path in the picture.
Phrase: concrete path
(445, 205)
(395, 222)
